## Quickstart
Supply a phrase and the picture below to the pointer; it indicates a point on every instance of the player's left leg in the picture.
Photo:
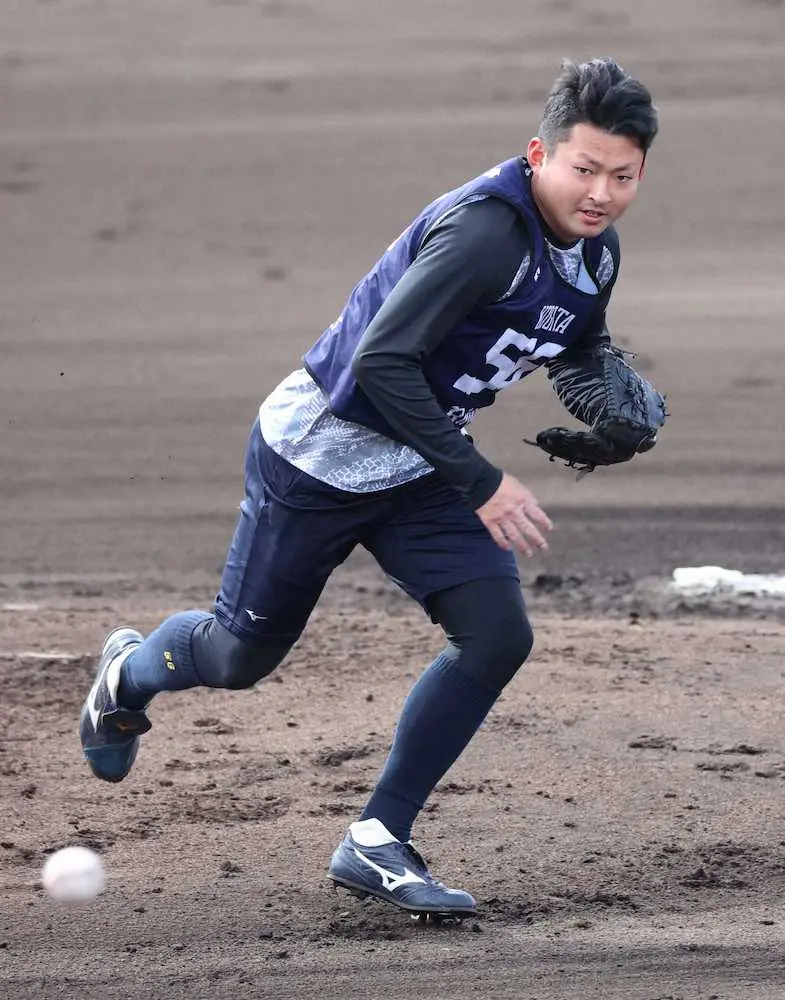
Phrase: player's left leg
(489, 639)
(440, 553)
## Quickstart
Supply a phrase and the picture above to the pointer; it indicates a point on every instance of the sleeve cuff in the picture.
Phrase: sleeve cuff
(484, 488)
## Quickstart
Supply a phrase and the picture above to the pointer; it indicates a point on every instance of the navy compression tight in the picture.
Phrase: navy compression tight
(489, 638)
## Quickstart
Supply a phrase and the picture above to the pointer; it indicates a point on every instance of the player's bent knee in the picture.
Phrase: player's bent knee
(508, 647)
(520, 641)
(223, 660)
(494, 655)
(486, 623)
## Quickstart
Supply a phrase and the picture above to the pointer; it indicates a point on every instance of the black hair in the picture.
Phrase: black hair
(598, 93)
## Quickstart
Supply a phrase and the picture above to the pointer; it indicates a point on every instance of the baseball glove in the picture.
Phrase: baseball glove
(622, 409)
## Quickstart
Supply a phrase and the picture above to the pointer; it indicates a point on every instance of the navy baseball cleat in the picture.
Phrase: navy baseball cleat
(110, 734)
(370, 862)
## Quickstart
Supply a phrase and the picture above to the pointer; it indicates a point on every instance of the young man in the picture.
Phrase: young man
(365, 445)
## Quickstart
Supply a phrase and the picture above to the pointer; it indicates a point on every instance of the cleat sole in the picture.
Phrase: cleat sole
(353, 890)
(435, 915)
(442, 917)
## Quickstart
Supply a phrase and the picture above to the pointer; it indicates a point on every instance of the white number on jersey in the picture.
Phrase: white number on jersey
(509, 370)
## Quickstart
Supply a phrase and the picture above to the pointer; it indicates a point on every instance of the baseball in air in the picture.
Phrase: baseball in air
(73, 875)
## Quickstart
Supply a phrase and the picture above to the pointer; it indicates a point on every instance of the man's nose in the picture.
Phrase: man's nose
(600, 193)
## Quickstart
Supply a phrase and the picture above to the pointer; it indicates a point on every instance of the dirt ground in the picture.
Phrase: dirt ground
(187, 192)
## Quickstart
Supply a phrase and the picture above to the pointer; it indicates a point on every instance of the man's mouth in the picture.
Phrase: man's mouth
(592, 213)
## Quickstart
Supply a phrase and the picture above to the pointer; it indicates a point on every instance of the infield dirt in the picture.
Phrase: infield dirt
(187, 192)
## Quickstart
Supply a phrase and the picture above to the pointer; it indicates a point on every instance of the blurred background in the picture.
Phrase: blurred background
(189, 190)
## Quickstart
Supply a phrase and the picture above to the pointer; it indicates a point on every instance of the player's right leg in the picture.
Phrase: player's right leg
(291, 533)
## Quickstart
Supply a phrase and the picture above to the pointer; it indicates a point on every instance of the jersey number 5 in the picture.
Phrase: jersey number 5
(525, 355)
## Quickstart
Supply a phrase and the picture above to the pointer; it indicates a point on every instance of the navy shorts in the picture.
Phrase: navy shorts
(294, 530)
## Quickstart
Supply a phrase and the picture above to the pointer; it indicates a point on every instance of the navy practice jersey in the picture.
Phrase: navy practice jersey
(471, 257)
(495, 344)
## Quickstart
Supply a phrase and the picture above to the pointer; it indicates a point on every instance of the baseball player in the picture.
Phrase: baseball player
(366, 444)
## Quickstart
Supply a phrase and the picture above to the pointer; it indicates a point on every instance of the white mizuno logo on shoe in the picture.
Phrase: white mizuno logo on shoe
(391, 880)
(96, 707)
(93, 707)
(254, 617)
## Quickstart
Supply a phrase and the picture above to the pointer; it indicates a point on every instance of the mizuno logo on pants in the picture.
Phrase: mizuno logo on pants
(254, 617)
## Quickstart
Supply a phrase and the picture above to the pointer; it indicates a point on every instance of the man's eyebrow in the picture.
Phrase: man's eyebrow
(596, 163)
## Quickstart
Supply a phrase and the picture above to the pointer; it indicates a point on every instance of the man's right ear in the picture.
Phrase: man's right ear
(536, 152)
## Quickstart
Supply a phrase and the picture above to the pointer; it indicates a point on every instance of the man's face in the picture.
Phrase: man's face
(585, 183)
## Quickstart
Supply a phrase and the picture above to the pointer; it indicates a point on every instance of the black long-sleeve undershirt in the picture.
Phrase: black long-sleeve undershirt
(469, 259)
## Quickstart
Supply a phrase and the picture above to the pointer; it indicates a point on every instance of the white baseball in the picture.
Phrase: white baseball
(73, 875)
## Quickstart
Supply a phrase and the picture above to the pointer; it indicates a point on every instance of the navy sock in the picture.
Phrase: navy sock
(163, 662)
(444, 709)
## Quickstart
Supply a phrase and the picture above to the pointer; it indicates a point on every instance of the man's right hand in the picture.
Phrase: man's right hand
(514, 517)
